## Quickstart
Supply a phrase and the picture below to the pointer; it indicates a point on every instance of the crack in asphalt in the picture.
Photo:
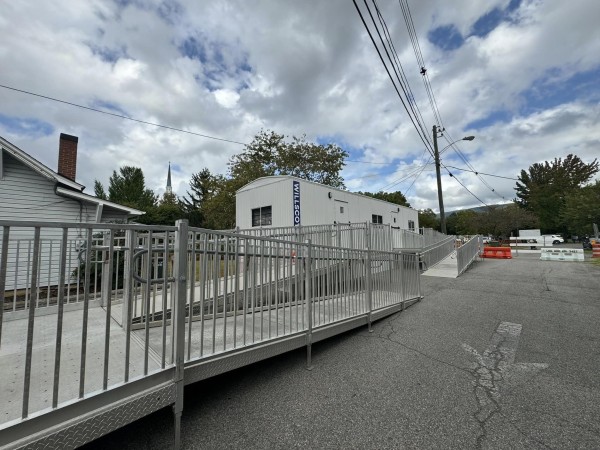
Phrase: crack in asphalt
(392, 331)
(486, 386)
(488, 372)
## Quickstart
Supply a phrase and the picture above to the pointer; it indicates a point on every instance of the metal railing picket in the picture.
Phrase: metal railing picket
(225, 292)
(467, 253)
(435, 253)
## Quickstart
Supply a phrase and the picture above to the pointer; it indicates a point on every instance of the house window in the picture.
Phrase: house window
(411, 225)
(376, 219)
(261, 216)
(341, 210)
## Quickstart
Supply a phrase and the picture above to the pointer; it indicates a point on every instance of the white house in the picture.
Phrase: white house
(283, 200)
(30, 191)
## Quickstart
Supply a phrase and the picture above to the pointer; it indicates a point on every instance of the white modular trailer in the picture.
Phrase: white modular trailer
(283, 200)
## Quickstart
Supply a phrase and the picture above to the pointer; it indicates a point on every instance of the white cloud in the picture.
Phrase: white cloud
(297, 67)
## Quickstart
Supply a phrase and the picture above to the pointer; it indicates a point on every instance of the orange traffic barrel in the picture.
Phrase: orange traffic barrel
(595, 250)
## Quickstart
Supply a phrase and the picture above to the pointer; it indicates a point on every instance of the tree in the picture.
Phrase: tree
(167, 212)
(582, 209)
(99, 190)
(393, 197)
(203, 186)
(502, 220)
(543, 189)
(462, 222)
(269, 154)
(128, 188)
(429, 219)
(219, 209)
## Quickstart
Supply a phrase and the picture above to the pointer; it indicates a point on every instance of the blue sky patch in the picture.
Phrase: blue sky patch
(552, 90)
(193, 49)
(486, 23)
(170, 11)
(446, 37)
(26, 126)
(107, 54)
(492, 118)
(217, 71)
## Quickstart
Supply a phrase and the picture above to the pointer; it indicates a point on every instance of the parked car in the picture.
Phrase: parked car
(587, 245)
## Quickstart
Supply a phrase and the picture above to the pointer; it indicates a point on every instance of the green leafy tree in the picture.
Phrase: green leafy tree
(462, 222)
(429, 219)
(269, 154)
(219, 209)
(582, 209)
(544, 188)
(393, 197)
(502, 220)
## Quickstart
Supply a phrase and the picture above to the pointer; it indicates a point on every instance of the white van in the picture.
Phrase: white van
(553, 239)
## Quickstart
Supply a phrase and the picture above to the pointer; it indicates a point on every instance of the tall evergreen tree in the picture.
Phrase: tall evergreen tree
(127, 187)
(203, 186)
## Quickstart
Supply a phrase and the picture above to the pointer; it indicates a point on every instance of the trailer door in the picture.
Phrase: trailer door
(341, 211)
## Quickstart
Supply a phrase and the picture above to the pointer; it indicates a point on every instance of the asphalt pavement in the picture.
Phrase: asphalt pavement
(505, 356)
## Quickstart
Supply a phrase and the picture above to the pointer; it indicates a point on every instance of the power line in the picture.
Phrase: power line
(411, 173)
(466, 188)
(429, 89)
(470, 166)
(426, 142)
(122, 116)
(420, 60)
(418, 175)
(483, 173)
(366, 162)
(400, 72)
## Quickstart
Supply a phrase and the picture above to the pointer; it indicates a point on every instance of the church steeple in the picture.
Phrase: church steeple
(169, 189)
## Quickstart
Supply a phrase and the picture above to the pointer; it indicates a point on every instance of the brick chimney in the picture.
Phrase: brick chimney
(67, 156)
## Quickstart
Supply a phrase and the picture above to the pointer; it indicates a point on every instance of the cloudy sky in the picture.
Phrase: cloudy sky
(522, 76)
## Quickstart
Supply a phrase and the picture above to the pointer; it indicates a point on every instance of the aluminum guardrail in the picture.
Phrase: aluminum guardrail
(111, 330)
(433, 254)
(381, 236)
(468, 252)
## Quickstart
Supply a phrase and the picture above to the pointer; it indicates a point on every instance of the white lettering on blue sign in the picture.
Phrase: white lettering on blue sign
(296, 202)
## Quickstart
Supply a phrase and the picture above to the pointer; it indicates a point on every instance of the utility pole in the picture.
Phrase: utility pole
(436, 154)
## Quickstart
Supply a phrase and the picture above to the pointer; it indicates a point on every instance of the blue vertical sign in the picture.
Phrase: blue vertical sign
(296, 202)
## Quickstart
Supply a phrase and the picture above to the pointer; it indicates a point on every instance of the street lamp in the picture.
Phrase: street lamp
(437, 171)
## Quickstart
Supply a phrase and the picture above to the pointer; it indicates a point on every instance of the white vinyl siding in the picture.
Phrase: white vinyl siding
(27, 195)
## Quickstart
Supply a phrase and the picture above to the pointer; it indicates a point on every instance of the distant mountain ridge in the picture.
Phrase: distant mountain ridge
(477, 209)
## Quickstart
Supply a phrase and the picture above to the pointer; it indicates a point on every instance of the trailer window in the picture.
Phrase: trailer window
(261, 216)
(376, 219)
(411, 225)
